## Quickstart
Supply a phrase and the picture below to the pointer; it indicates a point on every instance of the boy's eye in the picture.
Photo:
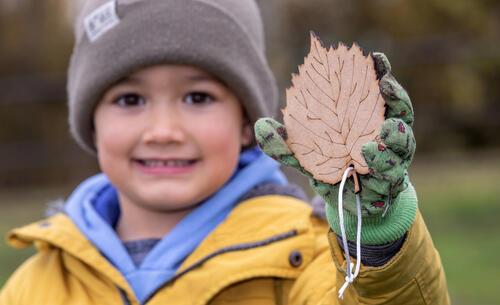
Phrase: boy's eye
(198, 98)
(129, 100)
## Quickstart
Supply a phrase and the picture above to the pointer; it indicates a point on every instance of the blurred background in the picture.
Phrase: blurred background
(446, 53)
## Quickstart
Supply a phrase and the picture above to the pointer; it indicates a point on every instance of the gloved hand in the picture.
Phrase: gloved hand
(388, 201)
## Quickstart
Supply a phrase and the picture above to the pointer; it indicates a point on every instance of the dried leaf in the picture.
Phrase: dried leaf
(333, 107)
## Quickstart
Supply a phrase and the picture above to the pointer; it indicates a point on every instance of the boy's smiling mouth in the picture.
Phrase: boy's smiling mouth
(166, 163)
(165, 166)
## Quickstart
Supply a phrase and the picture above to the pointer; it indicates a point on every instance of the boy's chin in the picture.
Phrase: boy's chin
(180, 208)
(174, 204)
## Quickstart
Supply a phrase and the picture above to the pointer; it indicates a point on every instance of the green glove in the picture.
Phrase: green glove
(388, 200)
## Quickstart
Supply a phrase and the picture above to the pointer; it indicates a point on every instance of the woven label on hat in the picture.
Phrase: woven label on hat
(101, 20)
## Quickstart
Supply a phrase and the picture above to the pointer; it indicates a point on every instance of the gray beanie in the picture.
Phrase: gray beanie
(114, 38)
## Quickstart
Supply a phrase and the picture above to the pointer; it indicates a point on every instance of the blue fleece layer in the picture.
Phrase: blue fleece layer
(94, 208)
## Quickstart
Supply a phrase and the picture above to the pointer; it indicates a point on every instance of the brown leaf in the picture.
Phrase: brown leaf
(333, 107)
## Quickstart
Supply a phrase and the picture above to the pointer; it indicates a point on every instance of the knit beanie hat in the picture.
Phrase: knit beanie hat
(115, 38)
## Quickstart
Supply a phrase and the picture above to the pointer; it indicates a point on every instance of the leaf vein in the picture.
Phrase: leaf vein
(366, 124)
(362, 100)
(326, 79)
(308, 129)
(317, 86)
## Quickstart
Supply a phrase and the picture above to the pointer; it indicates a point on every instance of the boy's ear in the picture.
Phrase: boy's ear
(247, 136)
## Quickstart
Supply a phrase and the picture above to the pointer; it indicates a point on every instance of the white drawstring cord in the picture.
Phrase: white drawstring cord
(349, 266)
(387, 206)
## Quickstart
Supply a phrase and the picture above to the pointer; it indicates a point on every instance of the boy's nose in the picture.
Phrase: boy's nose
(164, 128)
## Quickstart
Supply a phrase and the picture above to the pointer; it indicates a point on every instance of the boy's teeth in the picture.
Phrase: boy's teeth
(160, 163)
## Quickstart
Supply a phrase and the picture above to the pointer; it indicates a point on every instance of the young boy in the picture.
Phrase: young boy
(187, 209)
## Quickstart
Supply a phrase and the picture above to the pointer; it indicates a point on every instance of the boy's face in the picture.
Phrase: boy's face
(169, 136)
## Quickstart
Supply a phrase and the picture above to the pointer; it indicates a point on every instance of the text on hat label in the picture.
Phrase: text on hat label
(101, 20)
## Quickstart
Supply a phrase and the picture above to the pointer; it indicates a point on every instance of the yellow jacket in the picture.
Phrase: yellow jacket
(270, 250)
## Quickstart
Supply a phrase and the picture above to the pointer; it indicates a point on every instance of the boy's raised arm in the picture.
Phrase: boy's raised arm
(400, 263)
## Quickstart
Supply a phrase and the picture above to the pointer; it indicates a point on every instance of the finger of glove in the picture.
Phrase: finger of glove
(386, 168)
(399, 138)
(397, 100)
(271, 137)
(383, 185)
(382, 64)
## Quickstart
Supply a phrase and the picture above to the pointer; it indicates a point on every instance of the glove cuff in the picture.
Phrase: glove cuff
(378, 230)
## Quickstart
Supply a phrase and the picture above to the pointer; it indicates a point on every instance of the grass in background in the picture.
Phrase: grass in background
(459, 198)
(16, 209)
